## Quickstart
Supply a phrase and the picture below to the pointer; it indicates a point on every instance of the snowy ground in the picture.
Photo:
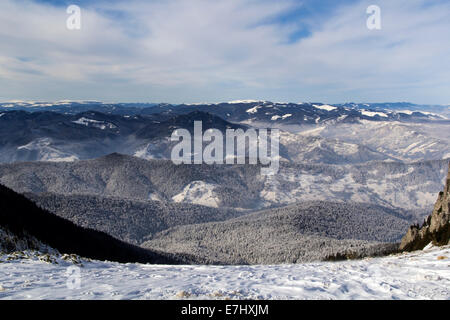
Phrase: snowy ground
(418, 275)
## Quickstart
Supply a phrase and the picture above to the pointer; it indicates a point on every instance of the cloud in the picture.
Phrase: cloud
(204, 50)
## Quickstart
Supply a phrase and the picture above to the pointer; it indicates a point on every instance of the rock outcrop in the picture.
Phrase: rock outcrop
(436, 227)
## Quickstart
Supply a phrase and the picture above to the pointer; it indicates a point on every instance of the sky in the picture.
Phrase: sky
(194, 51)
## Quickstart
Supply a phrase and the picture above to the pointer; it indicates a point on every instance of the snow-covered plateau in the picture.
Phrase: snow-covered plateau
(418, 275)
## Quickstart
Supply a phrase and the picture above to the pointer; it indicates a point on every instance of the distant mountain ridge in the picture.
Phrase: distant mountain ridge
(246, 110)
(52, 136)
(320, 133)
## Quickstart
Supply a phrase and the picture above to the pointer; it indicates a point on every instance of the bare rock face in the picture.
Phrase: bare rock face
(436, 227)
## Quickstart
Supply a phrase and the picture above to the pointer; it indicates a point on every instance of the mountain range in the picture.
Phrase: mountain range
(409, 186)
(313, 133)
(241, 110)
(352, 178)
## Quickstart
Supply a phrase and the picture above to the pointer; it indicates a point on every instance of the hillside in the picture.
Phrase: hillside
(129, 220)
(390, 184)
(303, 232)
(22, 219)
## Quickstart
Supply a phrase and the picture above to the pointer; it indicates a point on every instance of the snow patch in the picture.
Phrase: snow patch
(276, 117)
(243, 101)
(373, 114)
(47, 152)
(154, 196)
(198, 192)
(253, 110)
(285, 116)
(324, 107)
(94, 123)
(144, 153)
(424, 198)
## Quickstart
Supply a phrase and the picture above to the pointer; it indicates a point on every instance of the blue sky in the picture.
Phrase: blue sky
(219, 50)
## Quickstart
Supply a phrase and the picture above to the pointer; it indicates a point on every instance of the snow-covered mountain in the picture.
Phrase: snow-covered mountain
(74, 107)
(250, 110)
(438, 111)
(411, 186)
(395, 140)
(340, 136)
(352, 177)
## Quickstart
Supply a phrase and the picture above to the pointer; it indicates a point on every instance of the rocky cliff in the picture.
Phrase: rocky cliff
(436, 227)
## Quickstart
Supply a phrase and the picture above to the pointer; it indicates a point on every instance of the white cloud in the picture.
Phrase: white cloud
(199, 50)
